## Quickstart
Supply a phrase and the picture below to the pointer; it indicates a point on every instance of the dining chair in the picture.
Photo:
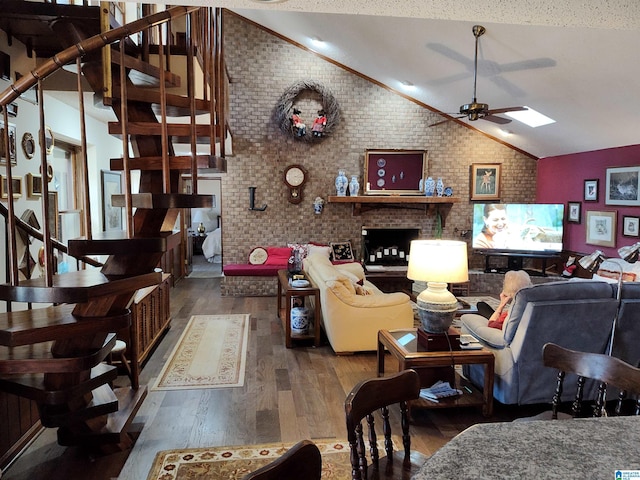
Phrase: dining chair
(364, 400)
(605, 370)
(300, 462)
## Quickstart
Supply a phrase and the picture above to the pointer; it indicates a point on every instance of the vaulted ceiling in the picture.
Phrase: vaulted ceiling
(574, 61)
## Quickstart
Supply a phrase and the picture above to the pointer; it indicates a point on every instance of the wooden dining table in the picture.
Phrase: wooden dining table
(595, 448)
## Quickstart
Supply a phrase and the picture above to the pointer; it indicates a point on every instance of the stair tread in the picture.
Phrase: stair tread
(155, 128)
(129, 402)
(116, 242)
(37, 358)
(52, 323)
(32, 385)
(176, 162)
(75, 287)
(145, 74)
(177, 105)
(165, 200)
(104, 402)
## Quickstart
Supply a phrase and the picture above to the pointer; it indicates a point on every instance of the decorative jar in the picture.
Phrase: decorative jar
(341, 184)
(354, 186)
(300, 320)
(439, 187)
(429, 187)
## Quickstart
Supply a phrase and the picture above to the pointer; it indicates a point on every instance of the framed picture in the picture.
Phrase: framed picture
(111, 216)
(631, 226)
(574, 210)
(34, 186)
(623, 186)
(12, 144)
(394, 172)
(485, 181)
(591, 190)
(601, 228)
(16, 184)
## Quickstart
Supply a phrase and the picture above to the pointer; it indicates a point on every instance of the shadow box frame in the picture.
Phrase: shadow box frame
(394, 172)
(485, 179)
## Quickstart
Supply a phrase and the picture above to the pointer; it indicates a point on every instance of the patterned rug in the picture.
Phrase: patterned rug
(232, 463)
(211, 353)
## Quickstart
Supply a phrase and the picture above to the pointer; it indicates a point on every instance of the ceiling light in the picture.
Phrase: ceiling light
(407, 85)
(531, 117)
(317, 41)
(505, 132)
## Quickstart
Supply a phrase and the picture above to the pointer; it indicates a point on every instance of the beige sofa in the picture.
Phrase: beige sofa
(353, 309)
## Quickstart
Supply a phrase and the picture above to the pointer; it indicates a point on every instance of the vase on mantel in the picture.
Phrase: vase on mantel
(440, 187)
(429, 187)
(341, 184)
(354, 186)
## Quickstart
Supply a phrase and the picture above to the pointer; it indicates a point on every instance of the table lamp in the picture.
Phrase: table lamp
(198, 218)
(437, 262)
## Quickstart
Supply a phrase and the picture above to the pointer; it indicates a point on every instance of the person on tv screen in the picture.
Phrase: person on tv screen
(495, 233)
(514, 280)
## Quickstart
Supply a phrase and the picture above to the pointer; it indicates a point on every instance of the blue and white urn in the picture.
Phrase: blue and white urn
(354, 186)
(429, 187)
(300, 320)
(342, 183)
(440, 187)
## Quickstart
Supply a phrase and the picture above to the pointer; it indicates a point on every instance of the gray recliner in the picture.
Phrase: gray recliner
(574, 314)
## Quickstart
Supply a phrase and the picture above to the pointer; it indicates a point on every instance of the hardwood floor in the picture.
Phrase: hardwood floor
(289, 395)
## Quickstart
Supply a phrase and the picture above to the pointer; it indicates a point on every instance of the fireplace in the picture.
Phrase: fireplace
(387, 247)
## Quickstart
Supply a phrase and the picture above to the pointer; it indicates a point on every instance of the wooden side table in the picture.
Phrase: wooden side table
(284, 312)
(404, 346)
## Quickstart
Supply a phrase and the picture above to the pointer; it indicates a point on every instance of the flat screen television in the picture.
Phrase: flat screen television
(524, 229)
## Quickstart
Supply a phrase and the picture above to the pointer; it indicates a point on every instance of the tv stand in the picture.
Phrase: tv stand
(515, 262)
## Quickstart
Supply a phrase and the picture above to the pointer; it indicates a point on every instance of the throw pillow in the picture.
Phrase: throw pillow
(319, 249)
(626, 276)
(258, 256)
(278, 255)
(341, 251)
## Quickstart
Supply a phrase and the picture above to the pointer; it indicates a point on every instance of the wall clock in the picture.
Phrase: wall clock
(295, 176)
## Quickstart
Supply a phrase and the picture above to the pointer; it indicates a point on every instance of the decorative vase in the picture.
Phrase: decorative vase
(354, 186)
(341, 184)
(300, 320)
(295, 262)
(318, 205)
(439, 187)
(429, 187)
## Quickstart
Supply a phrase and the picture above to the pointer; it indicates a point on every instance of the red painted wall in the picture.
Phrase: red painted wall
(561, 180)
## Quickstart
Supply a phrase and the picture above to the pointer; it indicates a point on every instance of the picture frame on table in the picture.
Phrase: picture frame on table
(574, 212)
(630, 226)
(623, 186)
(394, 172)
(485, 181)
(591, 190)
(112, 217)
(601, 228)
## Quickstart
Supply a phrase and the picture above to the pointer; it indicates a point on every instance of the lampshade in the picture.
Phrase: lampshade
(437, 262)
(630, 254)
(592, 262)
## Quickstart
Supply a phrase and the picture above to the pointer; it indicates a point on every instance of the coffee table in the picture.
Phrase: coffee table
(284, 312)
(403, 345)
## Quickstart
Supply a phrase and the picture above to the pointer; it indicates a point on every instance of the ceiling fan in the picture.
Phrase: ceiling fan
(474, 110)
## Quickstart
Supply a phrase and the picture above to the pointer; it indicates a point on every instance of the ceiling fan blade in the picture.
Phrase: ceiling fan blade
(527, 64)
(498, 120)
(493, 111)
(446, 120)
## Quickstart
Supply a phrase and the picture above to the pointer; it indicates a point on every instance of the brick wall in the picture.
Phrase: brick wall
(261, 67)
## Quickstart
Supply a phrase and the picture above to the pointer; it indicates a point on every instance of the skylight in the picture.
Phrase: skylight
(531, 117)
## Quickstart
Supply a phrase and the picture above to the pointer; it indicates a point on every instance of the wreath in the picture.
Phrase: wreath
(286, 115)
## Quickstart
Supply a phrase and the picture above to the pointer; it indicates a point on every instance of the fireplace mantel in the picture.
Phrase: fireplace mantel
(363, 203)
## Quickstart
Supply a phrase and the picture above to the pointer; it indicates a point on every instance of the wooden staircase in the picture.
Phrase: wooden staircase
(55, 355)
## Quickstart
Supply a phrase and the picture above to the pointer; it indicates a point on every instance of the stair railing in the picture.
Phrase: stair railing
(36, 76)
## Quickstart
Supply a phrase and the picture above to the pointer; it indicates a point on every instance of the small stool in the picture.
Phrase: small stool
(119, 350)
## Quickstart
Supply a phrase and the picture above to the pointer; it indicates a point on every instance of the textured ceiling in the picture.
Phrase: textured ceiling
(575, 61)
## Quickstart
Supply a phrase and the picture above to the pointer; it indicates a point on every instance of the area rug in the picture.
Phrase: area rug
(231, 463)
(211, 353)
